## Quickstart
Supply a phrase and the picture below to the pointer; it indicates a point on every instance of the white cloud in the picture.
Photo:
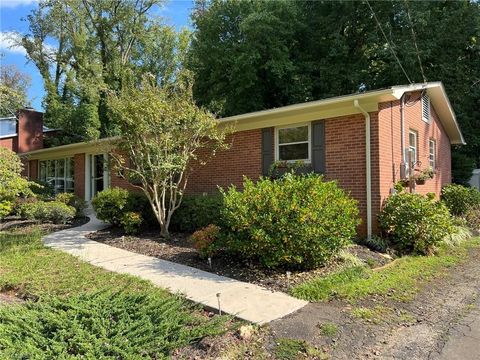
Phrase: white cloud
(7, 42)
(15, 3)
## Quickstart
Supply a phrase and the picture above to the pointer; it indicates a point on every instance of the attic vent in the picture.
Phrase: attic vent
(425, 107)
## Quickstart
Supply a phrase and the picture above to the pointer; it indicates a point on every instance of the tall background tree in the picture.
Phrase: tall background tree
(252, 55)
(13, 90)
(84, 48)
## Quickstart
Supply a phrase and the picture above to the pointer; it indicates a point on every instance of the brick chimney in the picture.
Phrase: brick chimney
(30, 130)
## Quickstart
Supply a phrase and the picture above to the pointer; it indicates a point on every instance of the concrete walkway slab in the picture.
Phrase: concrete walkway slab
(243, 300)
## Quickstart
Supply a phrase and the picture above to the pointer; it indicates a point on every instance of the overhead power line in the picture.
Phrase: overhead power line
(414, 37)
(388, 42)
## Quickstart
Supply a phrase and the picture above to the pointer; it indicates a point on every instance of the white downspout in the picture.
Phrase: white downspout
(368, 167)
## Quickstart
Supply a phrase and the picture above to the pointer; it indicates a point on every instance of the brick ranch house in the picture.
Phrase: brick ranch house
(361, 140)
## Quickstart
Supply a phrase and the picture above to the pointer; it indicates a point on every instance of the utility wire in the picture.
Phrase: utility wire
(388, 42)
(415, 41)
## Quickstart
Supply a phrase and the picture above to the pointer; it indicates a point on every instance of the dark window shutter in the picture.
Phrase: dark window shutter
(267, 150)
(318, 146)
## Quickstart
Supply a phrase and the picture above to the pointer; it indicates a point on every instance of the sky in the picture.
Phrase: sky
(13, 14)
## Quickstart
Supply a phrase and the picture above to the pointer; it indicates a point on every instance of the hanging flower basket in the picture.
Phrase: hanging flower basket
(420, 181)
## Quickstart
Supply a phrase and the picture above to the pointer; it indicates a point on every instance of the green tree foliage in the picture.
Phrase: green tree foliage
(98, 44)
(253, 55)
(12, 184)
(162, 133)
(13, 90)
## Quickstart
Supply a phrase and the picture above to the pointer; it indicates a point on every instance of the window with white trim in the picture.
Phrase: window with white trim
(293, 143)
(58, 173)
(413, 145)
(425, 107)
(8, 127)
(432, 155)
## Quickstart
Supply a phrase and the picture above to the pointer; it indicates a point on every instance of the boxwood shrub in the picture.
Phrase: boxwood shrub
(125, 209)
(197, 212)
(459, 199)
(54, 211)
(111, 204)
(298, 221)
(415, 223)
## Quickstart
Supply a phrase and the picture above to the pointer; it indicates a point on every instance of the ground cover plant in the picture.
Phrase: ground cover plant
(77, 310)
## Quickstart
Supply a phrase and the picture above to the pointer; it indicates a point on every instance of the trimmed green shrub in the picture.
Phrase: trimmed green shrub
(131, 222)
(128, 210)
(54, 211)
(415, 223)
(205, 240)
(298, 221)
(111, 204)
(196, 212)
(459, 199)
(73, 200)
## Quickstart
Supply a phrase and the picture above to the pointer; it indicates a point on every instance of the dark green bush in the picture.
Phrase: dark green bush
(138, 202)
(197, 212)
(74, 201)
(43, 190)
(459, 199)
(415, 223)
(104, 325)
(54, 211)
(297, 221)
(111, 204)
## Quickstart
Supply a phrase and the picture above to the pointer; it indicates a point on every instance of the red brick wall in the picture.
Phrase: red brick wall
(118, 181)
(79, 174)
(33, 169)
(30, 130)
(10, 143)
(229, 166)
(345, 158)
(389, 152)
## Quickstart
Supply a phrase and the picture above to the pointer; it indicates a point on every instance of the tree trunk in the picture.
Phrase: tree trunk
(164, 231)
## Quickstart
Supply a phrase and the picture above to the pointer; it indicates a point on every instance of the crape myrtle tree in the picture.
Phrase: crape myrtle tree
(162, 133)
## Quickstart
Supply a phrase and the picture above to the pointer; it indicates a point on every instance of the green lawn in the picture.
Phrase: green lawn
(400, 280)
(85, 312)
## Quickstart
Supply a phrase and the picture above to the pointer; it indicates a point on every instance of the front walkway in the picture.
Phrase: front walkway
(246, 301)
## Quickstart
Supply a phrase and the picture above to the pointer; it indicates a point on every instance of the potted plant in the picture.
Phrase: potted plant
(424, 175)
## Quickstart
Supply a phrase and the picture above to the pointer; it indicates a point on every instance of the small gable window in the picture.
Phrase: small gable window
(412, 146)
(293, 143)
(425, 107)
(432, 158)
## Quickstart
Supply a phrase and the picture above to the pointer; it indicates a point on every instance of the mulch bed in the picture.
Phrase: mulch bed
(19, 225)
(180, 250)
